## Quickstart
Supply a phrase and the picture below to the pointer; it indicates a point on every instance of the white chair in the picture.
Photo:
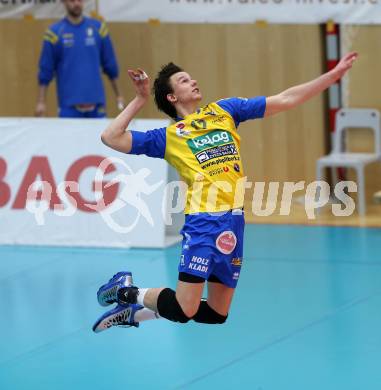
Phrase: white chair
(353, 118)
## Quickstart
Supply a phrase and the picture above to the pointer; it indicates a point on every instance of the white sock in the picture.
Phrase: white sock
(145, 314)
(141, 294)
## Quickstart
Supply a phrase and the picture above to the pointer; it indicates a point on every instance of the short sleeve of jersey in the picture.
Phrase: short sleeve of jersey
(152, 143)
(242, 109)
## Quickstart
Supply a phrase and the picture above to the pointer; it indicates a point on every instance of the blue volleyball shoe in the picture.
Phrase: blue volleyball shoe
(107, 294)
(122, 316)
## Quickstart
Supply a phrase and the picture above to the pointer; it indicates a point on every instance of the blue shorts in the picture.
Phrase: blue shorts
(213, 245)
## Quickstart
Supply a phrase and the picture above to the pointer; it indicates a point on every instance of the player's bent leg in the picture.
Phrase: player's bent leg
(215, 309)
(220, 297)
(161, 300)
(128, 312)
(179, 306)
(188, 295)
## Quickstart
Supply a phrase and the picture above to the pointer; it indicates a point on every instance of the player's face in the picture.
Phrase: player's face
(185, 89)
(74, 7)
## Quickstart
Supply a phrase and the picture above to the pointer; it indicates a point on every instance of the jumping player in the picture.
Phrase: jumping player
(203, 145)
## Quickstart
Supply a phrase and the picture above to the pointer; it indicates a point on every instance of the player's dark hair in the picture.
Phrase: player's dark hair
(162, 87)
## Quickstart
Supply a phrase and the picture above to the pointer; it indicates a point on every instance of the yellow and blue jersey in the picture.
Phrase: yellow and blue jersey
(75, 54)
(204, 147)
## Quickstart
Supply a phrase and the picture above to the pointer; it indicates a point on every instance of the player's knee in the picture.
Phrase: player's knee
(189, 306)
(169, 308)
(189, 310)
(207, 315)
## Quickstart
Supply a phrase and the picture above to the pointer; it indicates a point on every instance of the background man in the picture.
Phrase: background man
(75, 49)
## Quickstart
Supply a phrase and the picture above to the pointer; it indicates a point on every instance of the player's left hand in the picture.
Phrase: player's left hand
(141, 82)
(346, 63)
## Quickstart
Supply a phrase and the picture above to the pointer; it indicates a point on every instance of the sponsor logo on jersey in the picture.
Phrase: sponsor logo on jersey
(199, 264)
(218, 161)
(180, 132)
(219, 151)
(188, 238)
(209, 140)
(211, 112)
(90, 41)
(236, 276)
(68, 42)
(226, 242)
(237, 261)
(199, 124)
(182, 261)
(216, 171)
(237, 167)
(219, 119)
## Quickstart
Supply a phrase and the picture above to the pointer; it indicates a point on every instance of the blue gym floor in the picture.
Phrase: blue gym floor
(306, 315)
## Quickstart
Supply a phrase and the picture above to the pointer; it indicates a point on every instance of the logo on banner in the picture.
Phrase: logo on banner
(242, 11)
(38, 192)
(40, 9)
(133, 185)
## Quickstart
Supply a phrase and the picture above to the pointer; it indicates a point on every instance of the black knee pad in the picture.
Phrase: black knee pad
(207, 315)
(169, 308)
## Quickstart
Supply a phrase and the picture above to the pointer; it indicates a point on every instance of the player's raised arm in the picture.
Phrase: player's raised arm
(117, 136)
(299, 94)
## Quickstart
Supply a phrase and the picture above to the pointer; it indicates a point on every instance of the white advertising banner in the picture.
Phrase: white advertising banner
(39, 9)
(243, 11)
(59, 185)
(208, 11)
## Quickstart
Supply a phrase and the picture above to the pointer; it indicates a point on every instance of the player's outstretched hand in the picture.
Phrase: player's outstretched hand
(346, 63)
(141, 82)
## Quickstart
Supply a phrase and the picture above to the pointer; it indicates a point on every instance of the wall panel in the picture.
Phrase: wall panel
(227, 60)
